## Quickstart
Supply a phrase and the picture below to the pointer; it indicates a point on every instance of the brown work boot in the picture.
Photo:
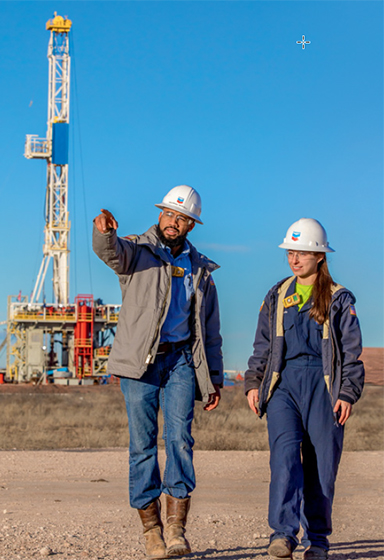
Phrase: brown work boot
(153, 530)
(315, 553)
(280, 548)
(177, 511)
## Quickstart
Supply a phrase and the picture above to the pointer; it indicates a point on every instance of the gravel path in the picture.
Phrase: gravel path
(74, 505)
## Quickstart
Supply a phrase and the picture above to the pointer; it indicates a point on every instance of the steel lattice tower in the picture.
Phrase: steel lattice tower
(67, 343)
(54, 149)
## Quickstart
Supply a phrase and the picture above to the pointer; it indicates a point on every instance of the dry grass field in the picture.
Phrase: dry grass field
(55, 417)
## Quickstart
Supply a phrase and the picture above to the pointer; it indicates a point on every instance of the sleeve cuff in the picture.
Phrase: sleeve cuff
(216, 378)
(346, 398)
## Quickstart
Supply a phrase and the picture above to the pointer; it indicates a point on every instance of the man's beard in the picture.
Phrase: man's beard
(171, 243)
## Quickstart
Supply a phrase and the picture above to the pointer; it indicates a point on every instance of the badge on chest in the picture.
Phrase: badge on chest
(292, 300)
(177, 271)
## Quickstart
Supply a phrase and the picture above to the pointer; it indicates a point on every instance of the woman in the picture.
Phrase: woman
(306, 375)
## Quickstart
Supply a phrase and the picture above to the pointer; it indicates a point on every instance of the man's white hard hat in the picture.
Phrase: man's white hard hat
(183, 199)
(307, 234)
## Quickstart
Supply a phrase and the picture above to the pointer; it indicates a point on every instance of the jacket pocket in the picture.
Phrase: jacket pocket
(134, 334)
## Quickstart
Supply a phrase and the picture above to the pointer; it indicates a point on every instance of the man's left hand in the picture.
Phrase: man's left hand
(214, 399)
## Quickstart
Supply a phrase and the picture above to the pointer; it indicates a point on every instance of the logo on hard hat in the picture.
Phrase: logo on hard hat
(180, 200)
(296, 235)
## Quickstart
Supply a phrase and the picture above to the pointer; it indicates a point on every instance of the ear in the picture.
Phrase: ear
(190, 228)
(161, 213)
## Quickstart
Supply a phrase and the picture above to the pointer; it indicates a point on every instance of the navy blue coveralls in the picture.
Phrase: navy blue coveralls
(304, 436)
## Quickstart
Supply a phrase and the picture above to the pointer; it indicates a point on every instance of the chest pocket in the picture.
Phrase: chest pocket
(289, 319)
(303, 336)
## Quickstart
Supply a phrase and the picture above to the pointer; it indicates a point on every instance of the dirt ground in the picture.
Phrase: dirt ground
(74, 505)
(373, 359)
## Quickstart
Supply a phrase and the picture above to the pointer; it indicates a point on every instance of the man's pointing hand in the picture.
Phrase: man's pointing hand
(105, 221)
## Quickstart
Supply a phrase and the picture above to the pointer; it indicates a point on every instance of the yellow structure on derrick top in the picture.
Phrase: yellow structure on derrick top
(59, 24)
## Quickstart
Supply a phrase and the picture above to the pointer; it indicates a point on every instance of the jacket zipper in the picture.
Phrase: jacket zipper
(201, 276)
(196, 314)
(149, 356)
(270, 348)
(333, 358)
(197, 286)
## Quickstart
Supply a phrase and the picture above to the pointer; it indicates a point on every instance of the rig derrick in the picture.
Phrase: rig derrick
(61, 342)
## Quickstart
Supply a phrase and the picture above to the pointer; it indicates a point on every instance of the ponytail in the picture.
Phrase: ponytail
(321, 293)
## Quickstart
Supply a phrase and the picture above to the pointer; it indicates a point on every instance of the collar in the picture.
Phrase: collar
(185, 251)
(151, 240)
(291, 290)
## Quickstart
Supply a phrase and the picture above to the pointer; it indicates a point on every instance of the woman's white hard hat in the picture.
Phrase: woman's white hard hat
(307, 234)
(183, 199)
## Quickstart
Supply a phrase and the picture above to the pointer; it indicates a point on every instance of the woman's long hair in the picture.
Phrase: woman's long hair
(321, 293)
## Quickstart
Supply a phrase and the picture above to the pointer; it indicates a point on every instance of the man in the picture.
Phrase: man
(167, 346)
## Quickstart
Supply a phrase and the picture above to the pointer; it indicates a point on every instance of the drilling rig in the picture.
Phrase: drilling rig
(61, 342)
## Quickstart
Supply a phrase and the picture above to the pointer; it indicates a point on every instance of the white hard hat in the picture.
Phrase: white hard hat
(185, 200)
(307, 234)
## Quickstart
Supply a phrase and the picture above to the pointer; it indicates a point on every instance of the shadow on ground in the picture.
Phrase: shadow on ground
(358, 550)
(237, 553)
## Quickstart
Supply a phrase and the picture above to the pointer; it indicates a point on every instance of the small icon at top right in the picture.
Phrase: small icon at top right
(303, 42)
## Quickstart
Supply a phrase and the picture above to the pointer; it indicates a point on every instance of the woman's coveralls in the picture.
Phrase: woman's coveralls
(305, 437)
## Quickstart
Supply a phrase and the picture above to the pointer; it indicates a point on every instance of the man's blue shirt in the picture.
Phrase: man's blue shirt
(176, 324)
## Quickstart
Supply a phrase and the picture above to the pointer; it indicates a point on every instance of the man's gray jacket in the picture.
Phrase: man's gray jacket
(145, 277)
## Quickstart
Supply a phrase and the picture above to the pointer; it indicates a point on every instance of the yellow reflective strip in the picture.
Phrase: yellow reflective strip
(280, 306)
(275, 379)
(326, 329)
(326, 379)
(336, 288)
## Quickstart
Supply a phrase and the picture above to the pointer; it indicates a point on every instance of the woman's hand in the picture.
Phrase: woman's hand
(253, 400)
(343, 409)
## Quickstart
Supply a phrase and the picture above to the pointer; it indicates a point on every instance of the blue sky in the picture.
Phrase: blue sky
(217, 95)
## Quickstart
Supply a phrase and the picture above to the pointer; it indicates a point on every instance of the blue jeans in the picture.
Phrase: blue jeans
(169, 383)
(306, 446)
